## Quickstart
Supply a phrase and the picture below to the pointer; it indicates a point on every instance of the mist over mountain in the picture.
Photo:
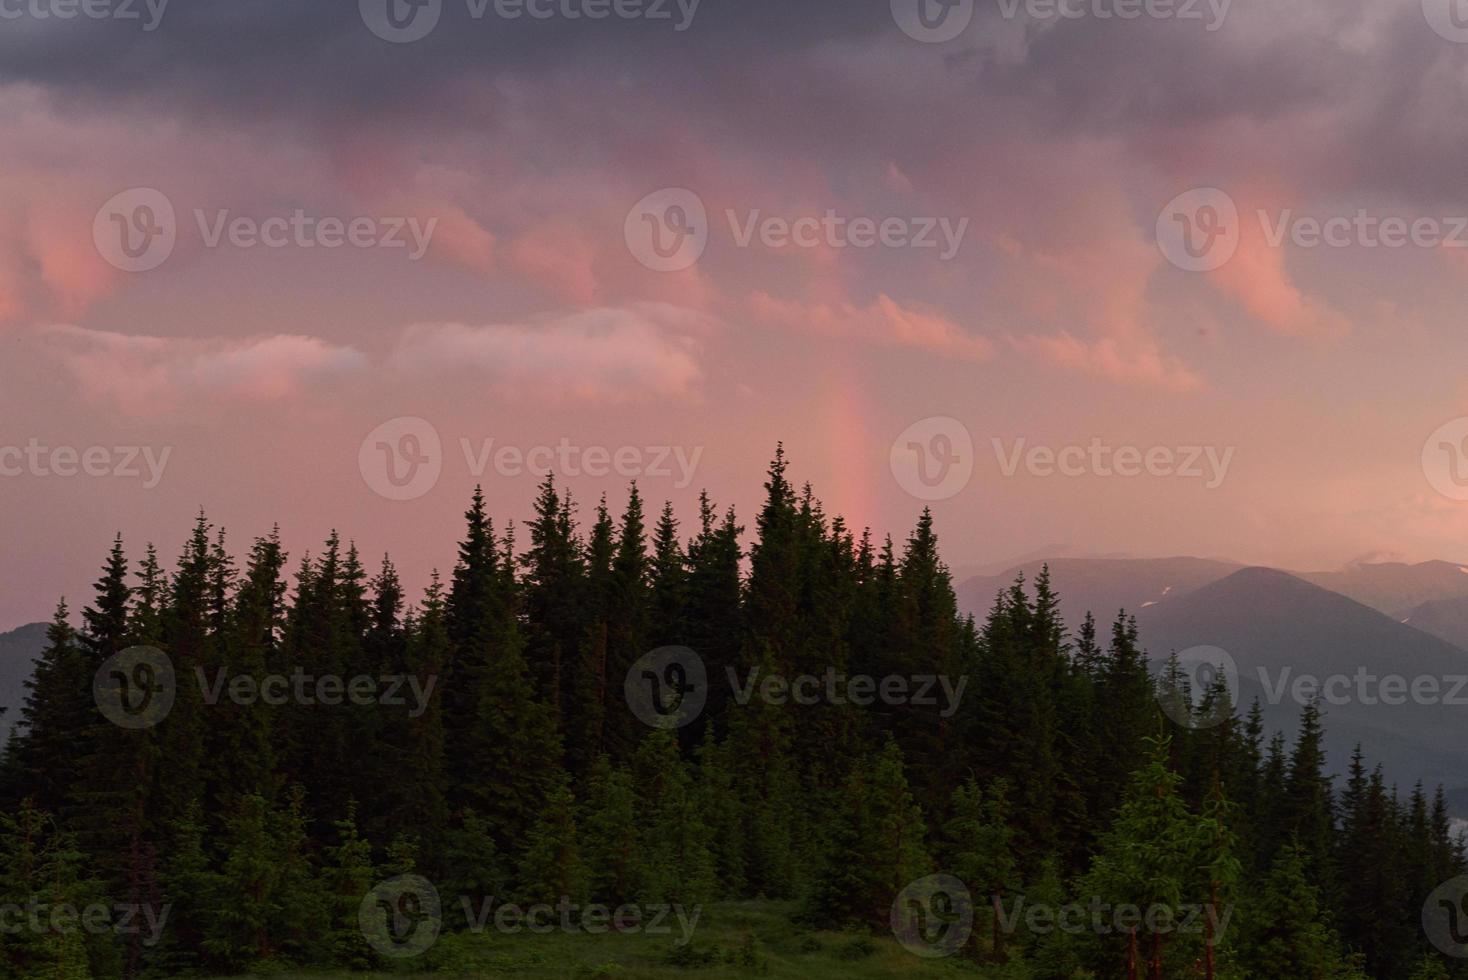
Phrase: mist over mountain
(1395, 588)
(1102, 586)
(1280, 626)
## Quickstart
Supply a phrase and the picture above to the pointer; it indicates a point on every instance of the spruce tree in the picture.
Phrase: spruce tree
(551, 868)
(979, 846)
(877, 847)
(611, 839)
(675, 862)
(1285, 933)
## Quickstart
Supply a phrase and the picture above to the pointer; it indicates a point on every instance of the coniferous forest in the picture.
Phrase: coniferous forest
(1014, 796)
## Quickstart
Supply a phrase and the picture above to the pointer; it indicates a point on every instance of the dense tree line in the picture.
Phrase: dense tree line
(1056, 778)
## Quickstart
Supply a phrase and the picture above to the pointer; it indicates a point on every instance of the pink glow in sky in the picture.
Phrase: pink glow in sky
(1013, 180)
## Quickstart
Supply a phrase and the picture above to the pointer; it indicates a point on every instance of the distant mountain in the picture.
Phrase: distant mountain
(18, 652)
(1048, 553)
(1280, 623)
(1446, 619)
(1100, 585)
(1395, 588)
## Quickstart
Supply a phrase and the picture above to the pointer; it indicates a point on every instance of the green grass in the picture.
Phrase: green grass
(726, 933)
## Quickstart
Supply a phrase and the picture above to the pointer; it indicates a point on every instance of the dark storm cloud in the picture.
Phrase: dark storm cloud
(312, 53)
(1384, 89)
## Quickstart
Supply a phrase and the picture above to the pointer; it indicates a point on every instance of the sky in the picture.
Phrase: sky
(1101, 276)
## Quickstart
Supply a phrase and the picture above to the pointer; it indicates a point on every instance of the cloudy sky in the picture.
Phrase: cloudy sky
(330, 265)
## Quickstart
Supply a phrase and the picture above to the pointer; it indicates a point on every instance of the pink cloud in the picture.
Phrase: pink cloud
(1258, 278)
(560, 258)
(1135, 361)
(882, 323)
(460, 240)
(607, 354)
(60, 243)
(153, 376)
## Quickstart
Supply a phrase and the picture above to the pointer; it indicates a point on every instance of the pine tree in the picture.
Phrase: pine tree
(553, 593)
(1285, 934)
(722, 813)
(191, 646)
(107, 807)
(628, 618)
(246, 904)
(667, 624)
(415, 781)
(1150, 858)
(349, 875)
(595, 692)
(979, 845)
(57, 706)
(41, 866)
(715, 612)
(676, 864)
(189, 886)
(551, 868)
(471, 866)
(611, 841)
(877, 847)
(241, 752)
(1054, 954)
(303, 913)
(773, 586)
(1310, 805)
